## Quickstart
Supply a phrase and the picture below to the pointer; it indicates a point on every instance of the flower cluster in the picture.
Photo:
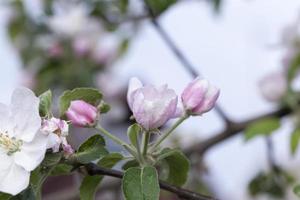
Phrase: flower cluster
(274, 86)
(24, 139)
(25, 136)
(153, 106)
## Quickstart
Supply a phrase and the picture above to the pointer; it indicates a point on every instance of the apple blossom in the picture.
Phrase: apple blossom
(68, 21)
(28, 78)
(56, 130)
(105, 50)
(82, 45)
(199, 96)
(81, 113)
(22, 146)
(152, 106)
(273, 86)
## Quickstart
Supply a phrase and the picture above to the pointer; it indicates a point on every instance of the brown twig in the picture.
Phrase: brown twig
(232, 130)
(94, 169)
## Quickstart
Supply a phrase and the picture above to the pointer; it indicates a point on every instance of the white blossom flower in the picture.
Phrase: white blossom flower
(68, 20)
(273, 86)
(22, 146)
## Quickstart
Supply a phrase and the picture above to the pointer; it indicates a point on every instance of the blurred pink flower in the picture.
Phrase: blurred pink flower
(109, 84)
(105, 50)
(81, 46)
(55, 50)
(28, 78)
(273, 86)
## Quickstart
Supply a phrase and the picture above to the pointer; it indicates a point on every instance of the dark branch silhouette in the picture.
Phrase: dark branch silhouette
(232, 130)
(94, 169)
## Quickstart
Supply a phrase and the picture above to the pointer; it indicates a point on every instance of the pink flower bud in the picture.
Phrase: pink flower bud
(152, 106)
(273, 86)
(199, 96)
(81, 113)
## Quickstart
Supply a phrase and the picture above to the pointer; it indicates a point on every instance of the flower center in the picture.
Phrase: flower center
(10, 144)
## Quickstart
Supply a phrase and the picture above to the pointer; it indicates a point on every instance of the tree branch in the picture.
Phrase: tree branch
(232, 130)
(94, 169)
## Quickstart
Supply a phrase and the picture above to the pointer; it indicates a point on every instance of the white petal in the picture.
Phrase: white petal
(54, 142)
(16, 179)
(25, 113)
(33, 153)
(5, 163)
(4, 118)
(134, 84)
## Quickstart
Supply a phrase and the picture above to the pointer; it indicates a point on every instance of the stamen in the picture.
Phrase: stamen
(10, 144)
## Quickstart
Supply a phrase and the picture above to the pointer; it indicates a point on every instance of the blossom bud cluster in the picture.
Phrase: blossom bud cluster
(153, 106)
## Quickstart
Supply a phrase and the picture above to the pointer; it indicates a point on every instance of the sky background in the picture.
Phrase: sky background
(233, 50)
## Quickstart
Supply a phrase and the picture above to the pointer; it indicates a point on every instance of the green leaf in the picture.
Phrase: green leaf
(296, 190)
(159, 6)
(129, 164)
(27, 194)
(110, 160)
(92, 149)
(293, 68)
(123, 47)
(90, 184)
(123, 5)
(132, 133)
(61, 169)
(274, 184)
(45, 103)
(294, 141)
(176, 166)
(141, 184)
(39, 175)
(4, 196)
(262, 127)
(104, 107)
(89, 95)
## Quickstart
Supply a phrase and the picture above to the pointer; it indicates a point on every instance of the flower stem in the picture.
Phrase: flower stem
(139, 157)
(145, 142)
(164, 136)
(117, 140)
